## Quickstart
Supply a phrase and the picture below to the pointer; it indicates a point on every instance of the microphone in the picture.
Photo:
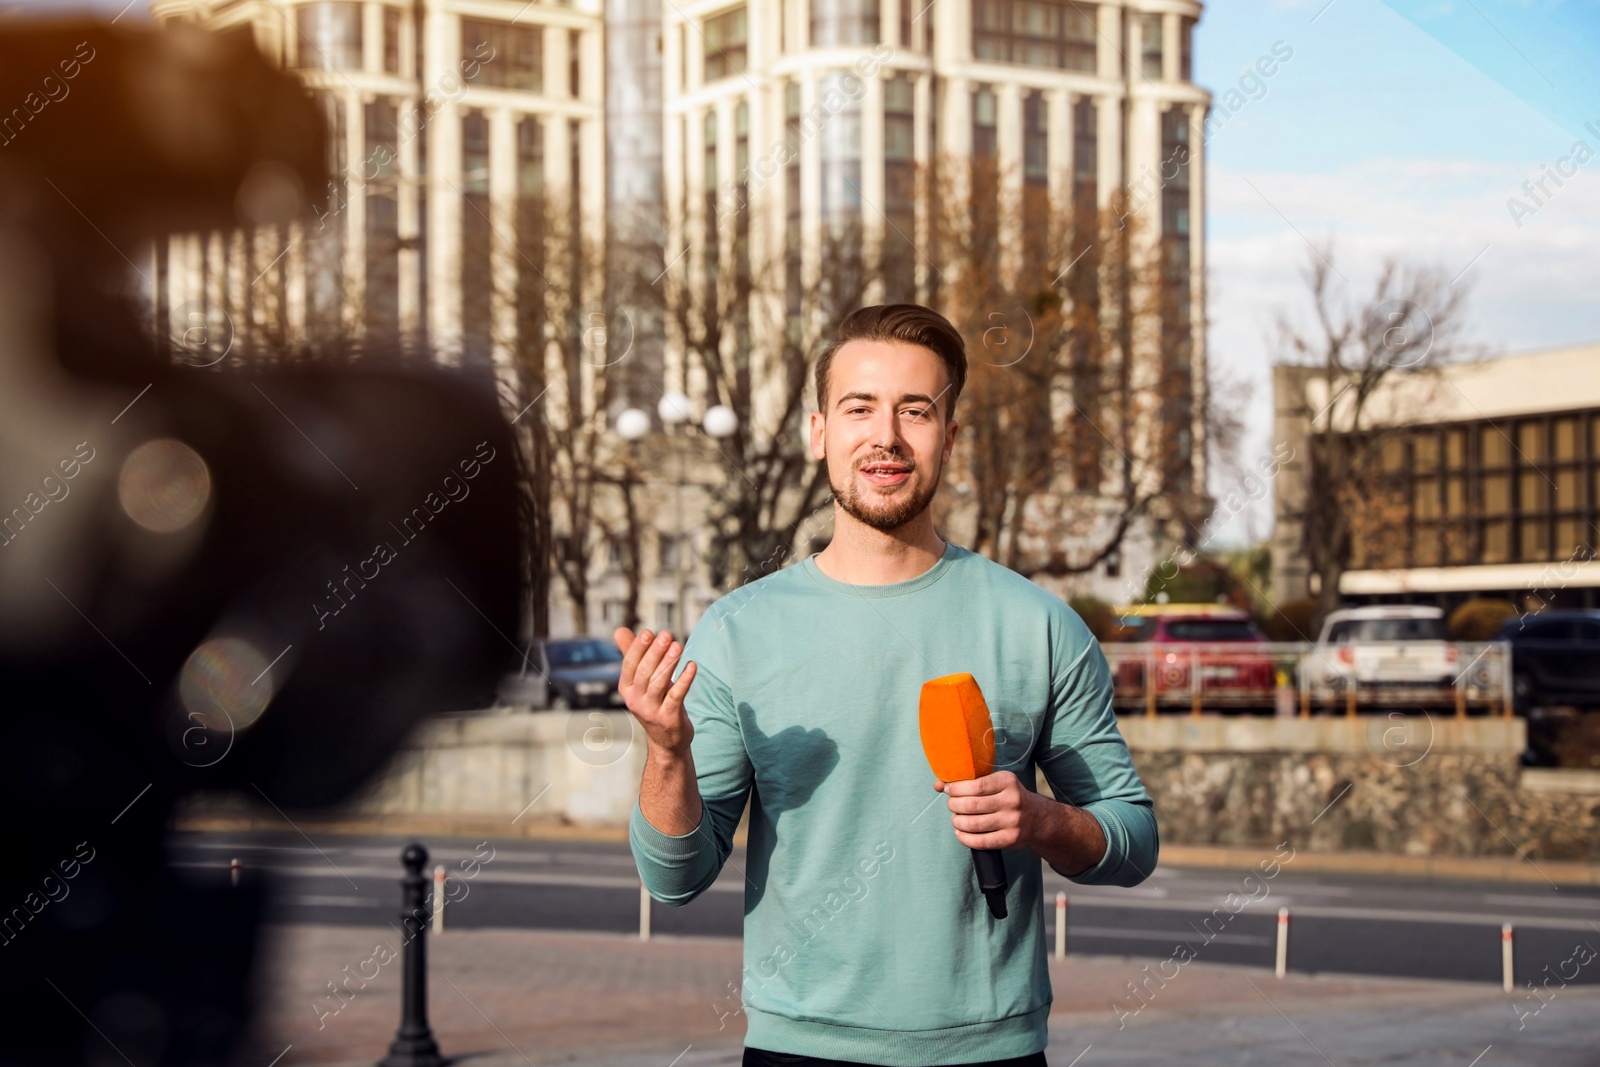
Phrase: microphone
(958, 738)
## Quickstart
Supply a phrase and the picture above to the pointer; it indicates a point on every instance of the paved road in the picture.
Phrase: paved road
(1339, 924)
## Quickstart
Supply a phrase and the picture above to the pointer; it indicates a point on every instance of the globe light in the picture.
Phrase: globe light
(720, 421)
(633, 423)
(674, 409)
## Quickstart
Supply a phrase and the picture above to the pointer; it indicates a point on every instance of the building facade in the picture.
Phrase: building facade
(447, 117)
(790, 120)
(1487, 483)
(692, 134)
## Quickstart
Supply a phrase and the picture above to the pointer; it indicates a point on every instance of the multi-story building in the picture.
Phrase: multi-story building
(1486, 483)
(447, 117)
(693, 133)
(786, 119)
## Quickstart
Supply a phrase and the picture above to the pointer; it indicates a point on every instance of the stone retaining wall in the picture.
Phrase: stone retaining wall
(1412, 786)
(1415, 786)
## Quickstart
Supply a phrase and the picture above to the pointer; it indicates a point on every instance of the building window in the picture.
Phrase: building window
(708, 185)
(1150, 46)
(835, 22)
(667, 615)
(530, 158)
(1175, 173)
(476, 280)
(574, 61)
(1035, 179)
(381, 121)
(532, 231)
(508, 56)
(841, 146)
(1484, 493)
(899, 190)
(1035, 140)
(329, 35)
(1186, 48)
(382, 317)
(985, 120)
(668, 548)
(907, 16)
(1035, 33)
(727, 40)
(1085, 154)
(382, 314)
(615, 613)
(741, 200)
(475, 153)
(391, 40)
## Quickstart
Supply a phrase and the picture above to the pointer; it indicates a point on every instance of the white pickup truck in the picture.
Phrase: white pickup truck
(1385, 647)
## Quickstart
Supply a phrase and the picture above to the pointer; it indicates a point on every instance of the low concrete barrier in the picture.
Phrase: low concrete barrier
(581, 767)
(1426, 787)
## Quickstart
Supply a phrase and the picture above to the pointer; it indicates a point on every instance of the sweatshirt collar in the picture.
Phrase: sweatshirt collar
(910, 585)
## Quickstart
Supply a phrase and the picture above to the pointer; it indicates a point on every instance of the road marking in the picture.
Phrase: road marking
(315, 901)
(1172, 937)
(1540, 902)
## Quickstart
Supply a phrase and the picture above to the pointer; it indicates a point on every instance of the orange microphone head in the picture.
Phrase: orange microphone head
(956, 731)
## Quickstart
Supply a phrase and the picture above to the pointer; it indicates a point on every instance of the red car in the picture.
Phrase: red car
(1219, 644)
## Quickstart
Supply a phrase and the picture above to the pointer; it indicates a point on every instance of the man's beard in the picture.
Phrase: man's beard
(886, 518)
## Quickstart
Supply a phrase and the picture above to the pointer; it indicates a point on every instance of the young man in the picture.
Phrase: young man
(866, 938)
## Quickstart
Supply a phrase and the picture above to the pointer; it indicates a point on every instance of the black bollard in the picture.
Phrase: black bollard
(413, 1044)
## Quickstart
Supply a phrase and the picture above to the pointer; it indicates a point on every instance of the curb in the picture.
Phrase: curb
(407, 825)
(1459, 868)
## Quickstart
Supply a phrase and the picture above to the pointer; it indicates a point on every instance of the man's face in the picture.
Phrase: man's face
(883, 434)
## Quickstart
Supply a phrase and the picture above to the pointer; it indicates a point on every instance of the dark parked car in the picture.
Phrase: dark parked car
(1555, 659)
(566, 672)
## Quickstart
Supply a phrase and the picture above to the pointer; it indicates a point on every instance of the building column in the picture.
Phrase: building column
(408, 223)
(352, 315)
(1109, 61)
(923, 150)
(874, 198)
(441, 47)
(1058, 149)
(1108, 178)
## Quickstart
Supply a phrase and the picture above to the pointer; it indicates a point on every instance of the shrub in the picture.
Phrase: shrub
(1099, 616)
(1291, 620)
(1480, 619)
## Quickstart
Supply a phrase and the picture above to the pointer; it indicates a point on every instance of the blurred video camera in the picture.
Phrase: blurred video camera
(214, 577)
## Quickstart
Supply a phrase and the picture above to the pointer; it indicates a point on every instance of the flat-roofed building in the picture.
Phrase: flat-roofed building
(1488, 480)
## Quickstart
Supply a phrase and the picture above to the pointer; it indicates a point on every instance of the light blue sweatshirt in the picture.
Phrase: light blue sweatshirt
(866, 938)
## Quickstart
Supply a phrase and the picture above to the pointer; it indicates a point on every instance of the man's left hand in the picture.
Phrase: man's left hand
(994, 811)
(998, 811)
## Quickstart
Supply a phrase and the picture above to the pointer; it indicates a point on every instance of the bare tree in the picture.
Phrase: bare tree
(1406, 327)
(1082, 416)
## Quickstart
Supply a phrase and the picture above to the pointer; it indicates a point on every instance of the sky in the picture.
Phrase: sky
(1398, 130)
(1393, 127)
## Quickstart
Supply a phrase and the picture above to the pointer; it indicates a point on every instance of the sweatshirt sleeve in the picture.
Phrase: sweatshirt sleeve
(676, 869)
(1086, 762)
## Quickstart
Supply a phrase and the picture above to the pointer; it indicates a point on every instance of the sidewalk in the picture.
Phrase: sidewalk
(519, 998)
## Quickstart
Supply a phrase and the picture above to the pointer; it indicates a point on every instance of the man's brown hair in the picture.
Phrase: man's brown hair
(910, 324)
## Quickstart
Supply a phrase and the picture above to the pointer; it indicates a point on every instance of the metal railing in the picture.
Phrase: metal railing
(1300, 678)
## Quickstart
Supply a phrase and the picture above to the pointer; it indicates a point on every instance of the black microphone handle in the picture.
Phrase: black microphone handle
(991, 869)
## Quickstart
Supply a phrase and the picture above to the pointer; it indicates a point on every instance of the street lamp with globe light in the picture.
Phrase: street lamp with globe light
(633, 426)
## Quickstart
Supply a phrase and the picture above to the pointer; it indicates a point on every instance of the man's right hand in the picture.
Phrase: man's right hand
(647, 688)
